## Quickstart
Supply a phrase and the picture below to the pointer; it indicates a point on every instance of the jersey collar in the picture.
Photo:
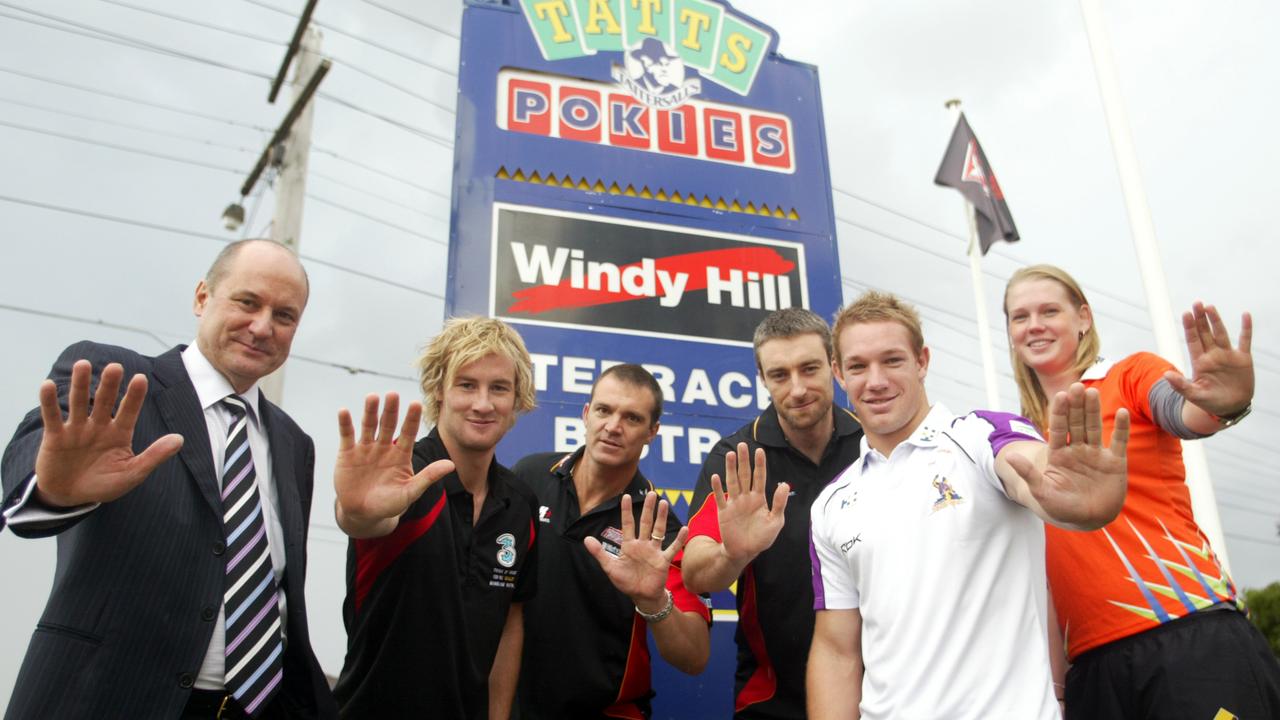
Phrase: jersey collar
(1098, 369)
(928, 435)
(767, 430)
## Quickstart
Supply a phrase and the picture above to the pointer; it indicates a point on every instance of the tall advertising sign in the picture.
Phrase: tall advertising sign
(639, 181)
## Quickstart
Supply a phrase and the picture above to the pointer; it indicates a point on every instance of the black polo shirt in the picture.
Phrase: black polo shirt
(426, 604)
(586, 650)
(775, 591)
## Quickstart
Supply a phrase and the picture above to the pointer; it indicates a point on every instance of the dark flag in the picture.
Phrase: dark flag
(966, 169)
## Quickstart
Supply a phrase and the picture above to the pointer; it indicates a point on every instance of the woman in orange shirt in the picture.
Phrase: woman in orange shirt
(1151, 622)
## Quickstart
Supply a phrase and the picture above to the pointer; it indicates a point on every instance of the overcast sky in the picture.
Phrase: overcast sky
(119, 153)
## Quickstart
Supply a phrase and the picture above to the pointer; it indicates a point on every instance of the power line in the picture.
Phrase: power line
(127, 41)
(374, 218)
(963, 263)
(122, 148)
(1275, 515)
(411, 18)
(199, 23)
(260, 38)
(376, 196)
(438, 139)
(129, 126)
(371, 43)
(139, 101)
(96, 33)
(1246, 538)
(963, 239)
(378, 171)
(208, 236)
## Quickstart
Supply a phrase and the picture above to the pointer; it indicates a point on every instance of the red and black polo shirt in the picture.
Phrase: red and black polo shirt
(426, 604)
(586, 650)
(775, 591)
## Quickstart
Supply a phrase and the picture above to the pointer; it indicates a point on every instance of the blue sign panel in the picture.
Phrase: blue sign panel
(639, 182)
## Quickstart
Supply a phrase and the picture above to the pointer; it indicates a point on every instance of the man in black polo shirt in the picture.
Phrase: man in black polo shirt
(605, 564)
(437, 572)
(736, 536)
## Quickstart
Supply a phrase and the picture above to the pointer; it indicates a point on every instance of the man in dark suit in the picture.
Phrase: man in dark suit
(181, 521)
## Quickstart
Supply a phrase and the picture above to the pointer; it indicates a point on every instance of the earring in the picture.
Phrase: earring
(1081, 336)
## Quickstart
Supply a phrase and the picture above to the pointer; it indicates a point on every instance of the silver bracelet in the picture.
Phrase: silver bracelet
(661, 614)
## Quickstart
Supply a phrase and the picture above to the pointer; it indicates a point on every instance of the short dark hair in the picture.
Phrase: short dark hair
(222, 263)
(636, 376)
(788, 323)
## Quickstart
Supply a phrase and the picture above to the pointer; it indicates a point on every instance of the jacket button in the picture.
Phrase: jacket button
(186, 680)
(219, 548)
(208, 614)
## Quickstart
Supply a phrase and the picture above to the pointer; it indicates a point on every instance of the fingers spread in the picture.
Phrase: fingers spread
(1075, 414)
(50, 413)
(1221, 337)
(1120, 433)
(1025, 469)
(78, 395)
(732, 486)
(1246, 332)
(717, 490)
(1093, 417)
(131, 406)
(369, 419)
(162, 449)
(780, 496)
(346, 432)
(1058, 421)
(646, 518)
(744, 468)
(409, 431)
(659, 530)
(390, 413)
(627, 520)
(104, 400)
(676, 545)
(597, 551)
(760, 473)
(430, 475)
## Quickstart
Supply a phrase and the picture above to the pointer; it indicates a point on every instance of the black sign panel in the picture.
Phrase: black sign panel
(593, 272)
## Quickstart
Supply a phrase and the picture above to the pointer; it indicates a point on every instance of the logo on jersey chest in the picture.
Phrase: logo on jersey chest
(504, 576)
(947, 495)
(611, 539)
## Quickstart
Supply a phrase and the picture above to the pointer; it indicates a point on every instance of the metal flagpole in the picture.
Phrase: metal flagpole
(979, 289)
(1163, 322)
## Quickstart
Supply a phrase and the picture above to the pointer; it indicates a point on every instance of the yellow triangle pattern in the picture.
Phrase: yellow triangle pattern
(660, 194)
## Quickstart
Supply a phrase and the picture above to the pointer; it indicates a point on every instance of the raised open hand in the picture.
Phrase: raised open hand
(1221, 380)
(374, 476)
(640, 569)
(88, 457)
(1083, 481)
(747, 526)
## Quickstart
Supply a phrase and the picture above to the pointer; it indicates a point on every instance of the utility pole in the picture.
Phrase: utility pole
(291, 182)
(288, 151)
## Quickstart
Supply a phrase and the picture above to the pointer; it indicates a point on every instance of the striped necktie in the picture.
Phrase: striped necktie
(254, 644)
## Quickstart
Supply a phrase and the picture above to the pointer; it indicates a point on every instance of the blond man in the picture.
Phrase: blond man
(440, 560)
(928, 552)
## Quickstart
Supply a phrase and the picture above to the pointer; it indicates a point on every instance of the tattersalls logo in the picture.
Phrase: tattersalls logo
(667, 46)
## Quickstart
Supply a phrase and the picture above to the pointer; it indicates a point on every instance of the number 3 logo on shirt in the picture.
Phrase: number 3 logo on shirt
(507, 551)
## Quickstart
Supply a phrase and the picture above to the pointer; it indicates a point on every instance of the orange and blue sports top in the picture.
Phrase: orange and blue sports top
(1152, 564)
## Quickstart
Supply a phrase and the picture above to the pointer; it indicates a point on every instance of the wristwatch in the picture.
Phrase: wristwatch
(661, 614)
(1227, 421)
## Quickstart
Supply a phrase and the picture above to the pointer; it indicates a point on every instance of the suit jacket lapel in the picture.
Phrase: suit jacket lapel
(175, 396)
(284, 472)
